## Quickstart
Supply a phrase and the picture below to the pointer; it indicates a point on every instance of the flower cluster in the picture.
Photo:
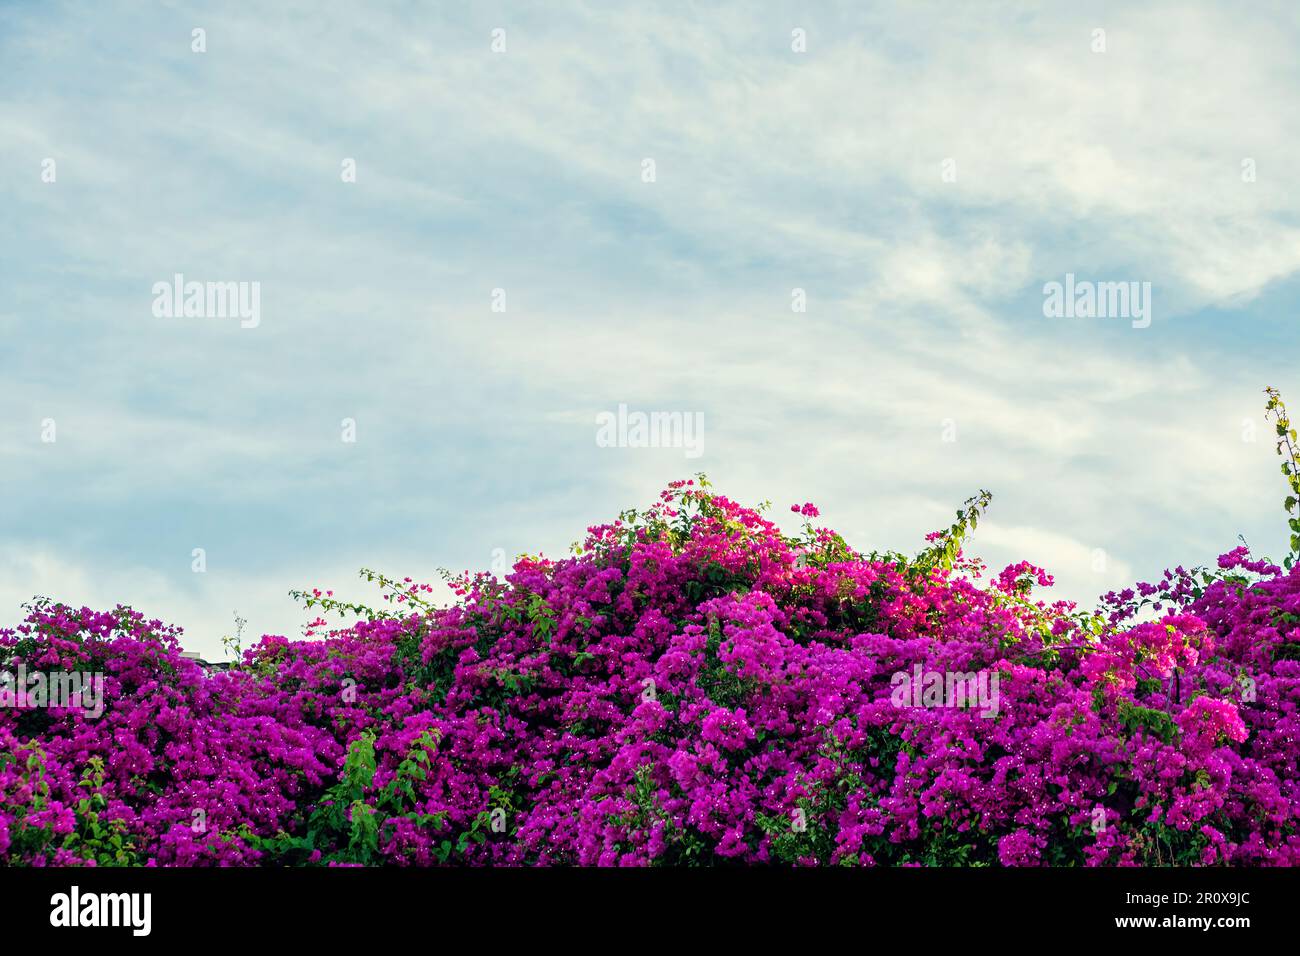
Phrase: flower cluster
(692, 686)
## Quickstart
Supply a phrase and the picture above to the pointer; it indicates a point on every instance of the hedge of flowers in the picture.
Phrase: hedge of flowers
(691, 686)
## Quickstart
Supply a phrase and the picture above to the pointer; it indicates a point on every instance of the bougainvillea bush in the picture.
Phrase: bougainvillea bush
(690, 687)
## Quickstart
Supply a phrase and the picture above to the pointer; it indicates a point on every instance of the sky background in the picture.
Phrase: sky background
(522, 170)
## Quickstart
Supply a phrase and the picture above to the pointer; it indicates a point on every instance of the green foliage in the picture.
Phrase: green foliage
(534, 612)
(1289, 449)
(1158, 844)
(98, 841)
(348, 824)
(943, 551)
(234, 645)
(683, 847)
(392, 591)
(1155, 722)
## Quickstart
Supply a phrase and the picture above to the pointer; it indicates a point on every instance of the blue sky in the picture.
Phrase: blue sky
(522, 170)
